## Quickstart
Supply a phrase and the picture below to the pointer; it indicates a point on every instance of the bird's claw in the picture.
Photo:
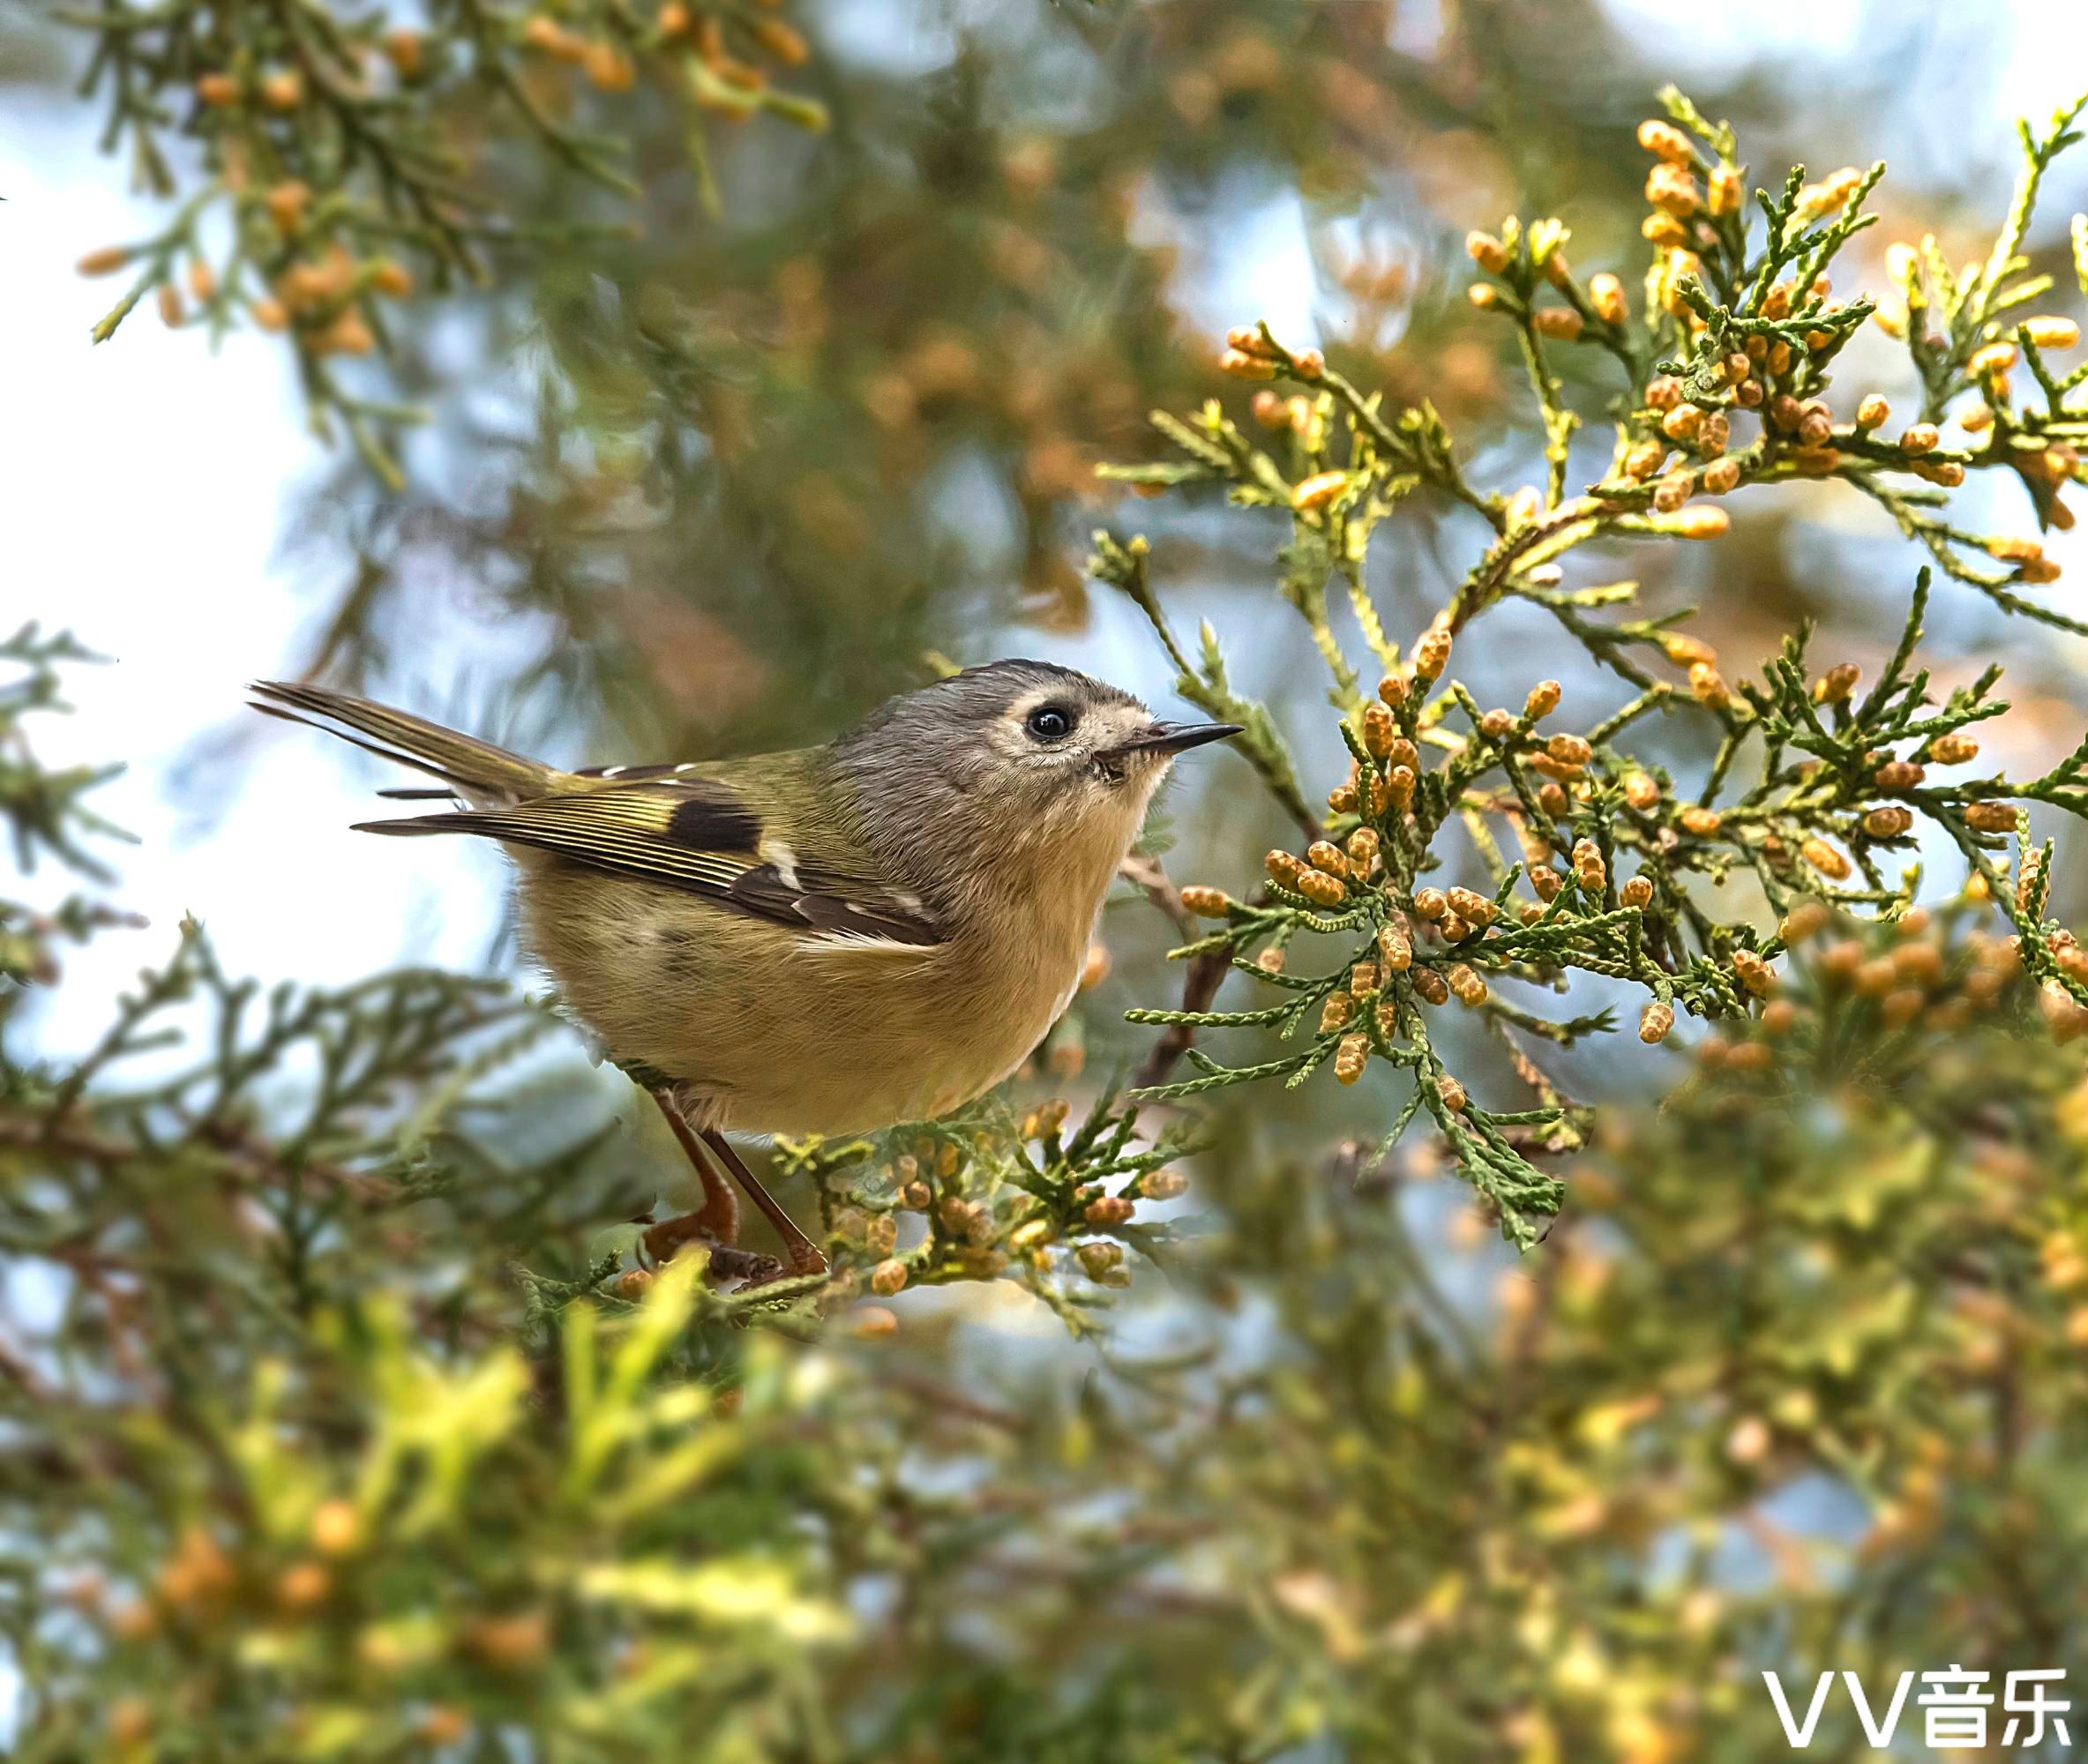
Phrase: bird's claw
(747, 1267)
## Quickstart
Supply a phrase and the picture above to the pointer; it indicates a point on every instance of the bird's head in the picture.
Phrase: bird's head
(1025, 752)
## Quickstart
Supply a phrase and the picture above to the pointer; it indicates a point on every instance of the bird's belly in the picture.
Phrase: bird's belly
(773, 1038)
(862, 1050)
(875, 1047)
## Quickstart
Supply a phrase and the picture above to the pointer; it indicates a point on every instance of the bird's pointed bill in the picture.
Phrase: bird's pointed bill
(1178, 737)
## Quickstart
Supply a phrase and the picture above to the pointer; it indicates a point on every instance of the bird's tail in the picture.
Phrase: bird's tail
(475, 770)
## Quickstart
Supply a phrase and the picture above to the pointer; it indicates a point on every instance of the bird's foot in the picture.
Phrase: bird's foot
(806, 1262)
(771, 1270)
(728, 1261)
(660, 1241)
(749, 1268)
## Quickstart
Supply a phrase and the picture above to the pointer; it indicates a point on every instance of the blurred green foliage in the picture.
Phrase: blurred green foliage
(757, 458)
(302, 1467)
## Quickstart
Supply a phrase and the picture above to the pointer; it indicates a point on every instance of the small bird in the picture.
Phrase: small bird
(827, 941)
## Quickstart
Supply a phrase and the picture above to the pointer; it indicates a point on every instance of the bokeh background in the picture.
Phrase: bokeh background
(1030, 226)
(725, 481)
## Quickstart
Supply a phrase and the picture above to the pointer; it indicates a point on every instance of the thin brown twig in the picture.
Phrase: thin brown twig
(1200, 985)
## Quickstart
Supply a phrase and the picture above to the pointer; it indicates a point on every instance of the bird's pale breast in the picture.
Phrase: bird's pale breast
(779, 1032)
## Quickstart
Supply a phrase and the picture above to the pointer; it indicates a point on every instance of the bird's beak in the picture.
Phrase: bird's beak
(1177, 737)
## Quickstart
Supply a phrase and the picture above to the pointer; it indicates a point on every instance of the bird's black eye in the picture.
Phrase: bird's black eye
(1050, 722)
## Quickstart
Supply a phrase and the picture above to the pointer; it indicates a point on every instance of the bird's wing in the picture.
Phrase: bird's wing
(702, 835)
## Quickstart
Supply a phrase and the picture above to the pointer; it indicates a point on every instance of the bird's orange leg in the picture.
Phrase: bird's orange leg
(805, 1258)
(715, 1222)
